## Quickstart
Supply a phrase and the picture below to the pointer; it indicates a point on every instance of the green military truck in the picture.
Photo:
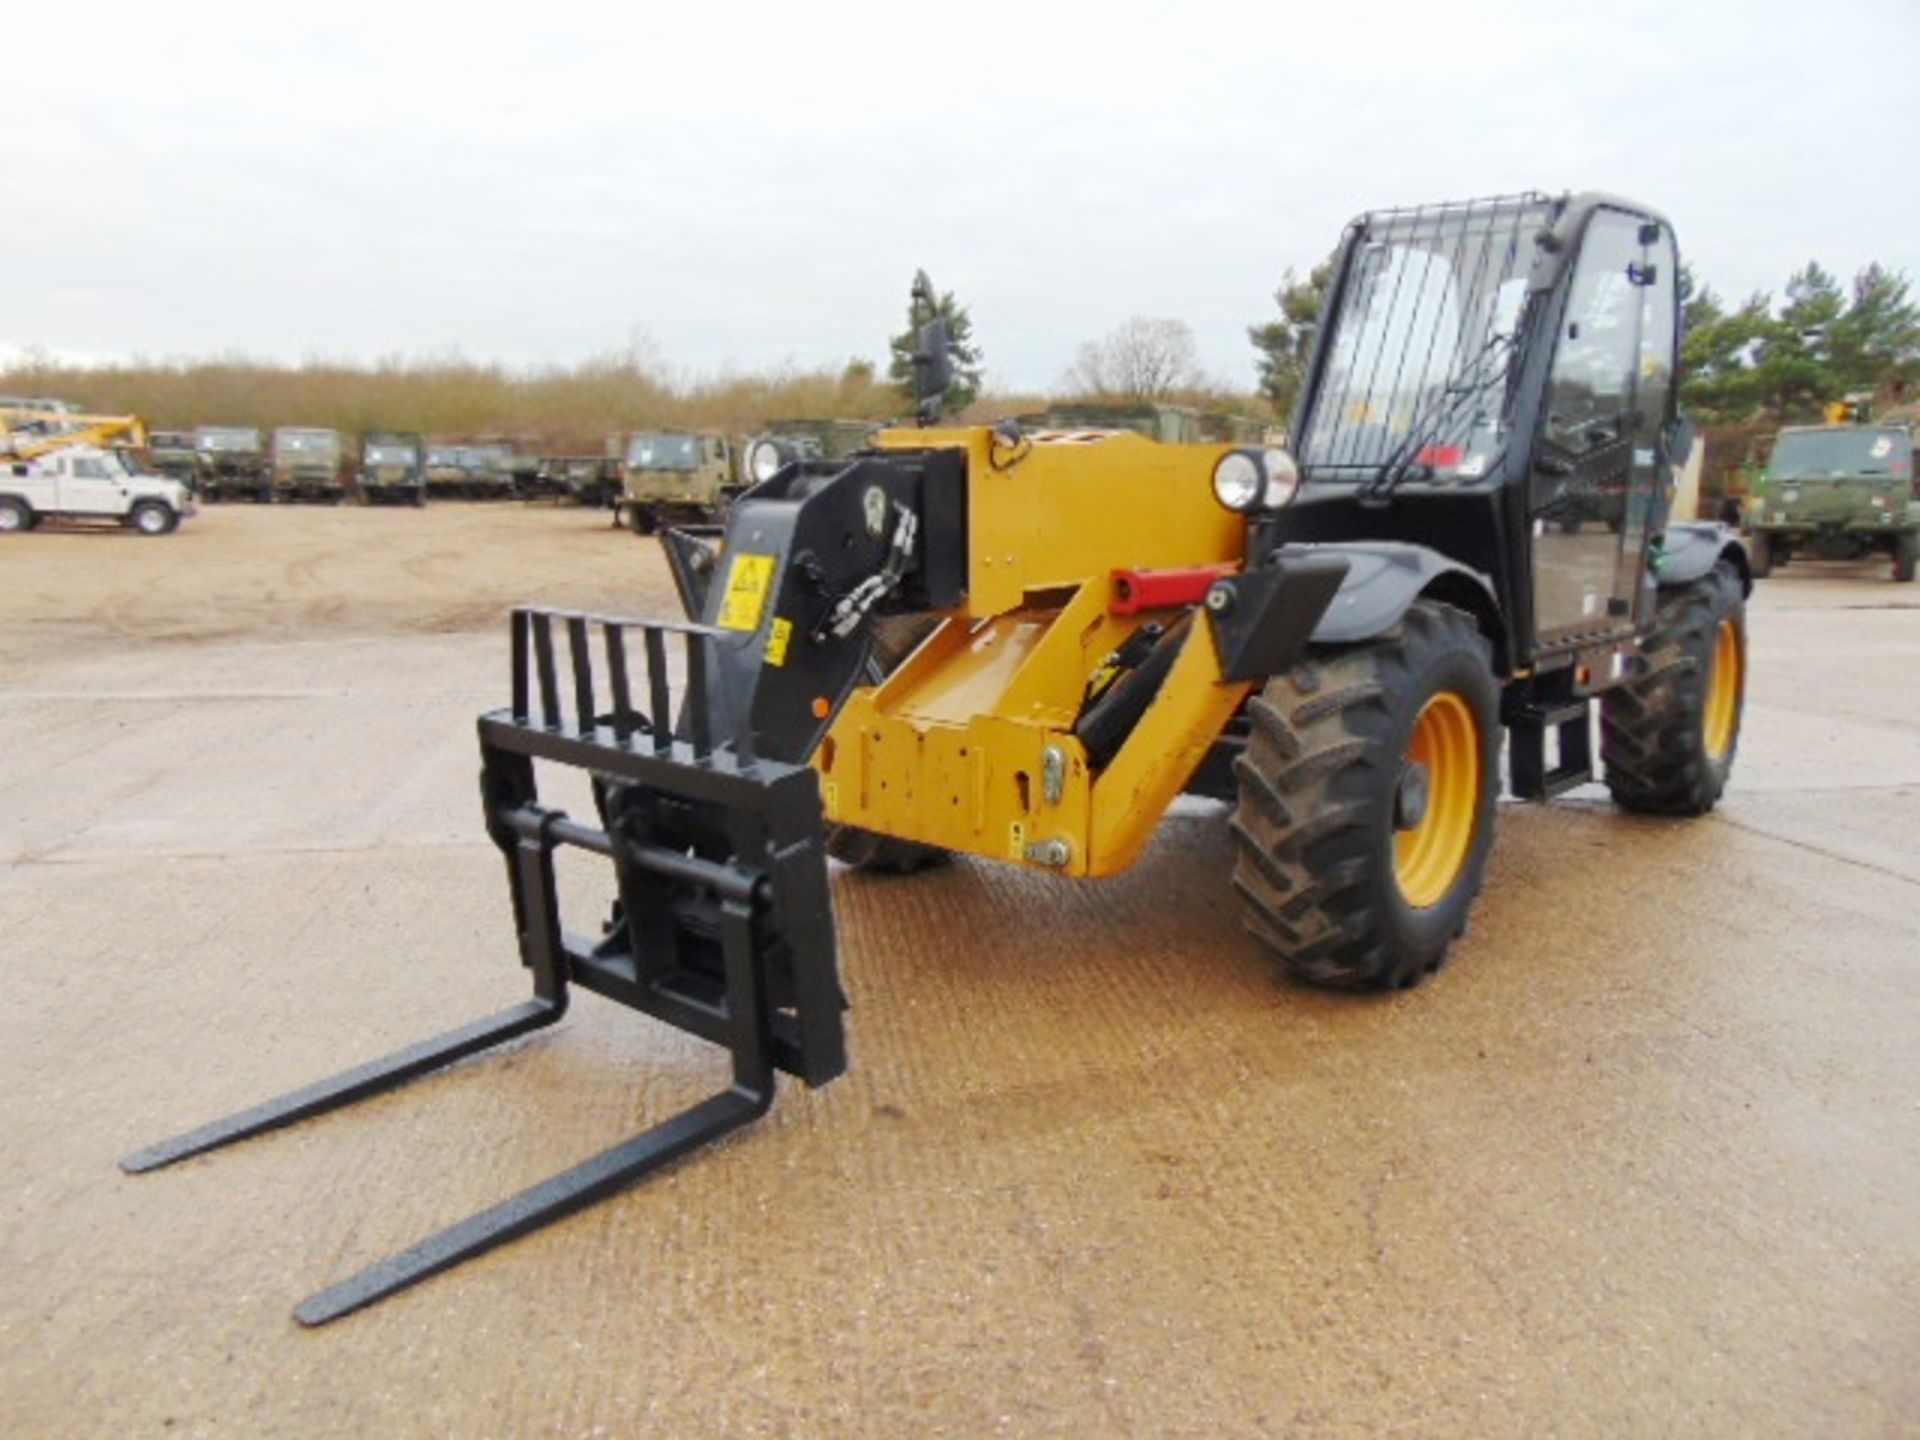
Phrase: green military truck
(592, 481)
(674, 475)
(308, 464)
(678, 476)
(170, 453)
(469, 470)
(1837, 492)
(392, 469)
(523, 475)
(233, 463)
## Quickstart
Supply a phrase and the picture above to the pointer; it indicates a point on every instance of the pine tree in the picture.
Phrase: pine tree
(1285, 344)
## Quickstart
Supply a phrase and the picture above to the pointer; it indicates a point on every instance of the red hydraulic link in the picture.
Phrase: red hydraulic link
(1136, 590)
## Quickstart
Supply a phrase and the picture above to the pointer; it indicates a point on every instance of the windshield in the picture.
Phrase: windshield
(389, 454)
(319, 444)
(1841, 454)
(1417, 364)
(664, 452)
(227, 439)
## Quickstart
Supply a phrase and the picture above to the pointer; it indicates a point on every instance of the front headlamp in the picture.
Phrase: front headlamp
(1246, 480)
(764, 459)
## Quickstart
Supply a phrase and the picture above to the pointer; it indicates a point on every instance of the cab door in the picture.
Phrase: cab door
(89, 486)
(1597, 475)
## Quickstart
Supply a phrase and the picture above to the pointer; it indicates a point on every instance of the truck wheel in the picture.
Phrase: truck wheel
(1906, 549)
(1667, 738)
(641, 520)
(150, 517)
(15, 518)
(1760, 554)
(1366, 802)
(877, 854)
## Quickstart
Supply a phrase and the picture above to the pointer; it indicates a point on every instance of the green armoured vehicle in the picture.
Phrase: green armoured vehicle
(1837, 492)
(170, 452)
(233, 462)
(674, 475)
(308, 464)
(392, 469)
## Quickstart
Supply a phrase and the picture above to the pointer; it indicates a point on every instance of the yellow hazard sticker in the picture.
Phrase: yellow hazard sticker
(746, 595)
(777, 640)
(1017, 840)
(830, 799)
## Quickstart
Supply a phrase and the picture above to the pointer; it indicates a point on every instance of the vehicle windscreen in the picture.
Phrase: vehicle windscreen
(664, 452)
(1423, 336)
(308, 445)
(227, 440)
(390, 455)
(1841, 454)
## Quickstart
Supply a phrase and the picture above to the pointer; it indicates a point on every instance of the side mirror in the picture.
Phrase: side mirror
(932, 370)
(932, 362)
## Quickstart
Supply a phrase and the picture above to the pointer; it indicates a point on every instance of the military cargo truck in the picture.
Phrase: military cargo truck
(392, 469)
(522, 476)
(669, 476)
(308, 464)
(1837, 492)
(469, 470)
(170, 453)
(233, 463)
(589, 480)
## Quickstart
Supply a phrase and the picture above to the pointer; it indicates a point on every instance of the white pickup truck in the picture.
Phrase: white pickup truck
(83, 482)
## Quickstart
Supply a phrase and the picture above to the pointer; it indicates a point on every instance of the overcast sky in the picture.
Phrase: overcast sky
(752, 185)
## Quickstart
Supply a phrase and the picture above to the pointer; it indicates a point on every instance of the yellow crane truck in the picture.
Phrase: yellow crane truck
(1335, 641)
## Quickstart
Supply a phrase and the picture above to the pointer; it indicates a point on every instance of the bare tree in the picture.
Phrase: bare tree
(1142, 360)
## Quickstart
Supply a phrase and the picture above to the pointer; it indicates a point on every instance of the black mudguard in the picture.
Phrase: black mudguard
(1690, 549)
(1382, 580)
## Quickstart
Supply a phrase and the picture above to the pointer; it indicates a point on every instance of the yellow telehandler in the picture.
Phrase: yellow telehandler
(1023, 644)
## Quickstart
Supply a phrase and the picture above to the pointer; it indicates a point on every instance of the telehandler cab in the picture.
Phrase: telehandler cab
(1334, 642)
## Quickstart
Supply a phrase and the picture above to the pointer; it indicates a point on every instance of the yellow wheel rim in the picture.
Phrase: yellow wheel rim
(1429, 856)
(1723, 692)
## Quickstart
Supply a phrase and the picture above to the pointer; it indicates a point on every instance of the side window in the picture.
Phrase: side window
(85, 467)
(1591, 393)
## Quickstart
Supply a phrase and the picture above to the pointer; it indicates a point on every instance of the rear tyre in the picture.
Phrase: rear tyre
(1760, 554)
(15, 518)
(1366, 803)
(642, 520)
(152, 518)
(1906, 551)
(1667, 739)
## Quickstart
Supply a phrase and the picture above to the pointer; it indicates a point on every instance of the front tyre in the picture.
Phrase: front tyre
(1760, 554)
(1906, 550)
(150, 517)
(1668, 737)
(1366, 804)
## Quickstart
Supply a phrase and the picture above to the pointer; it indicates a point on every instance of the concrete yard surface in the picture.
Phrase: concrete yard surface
(1643, 1159)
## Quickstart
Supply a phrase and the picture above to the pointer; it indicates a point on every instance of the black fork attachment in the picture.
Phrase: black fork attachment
(722, 927)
